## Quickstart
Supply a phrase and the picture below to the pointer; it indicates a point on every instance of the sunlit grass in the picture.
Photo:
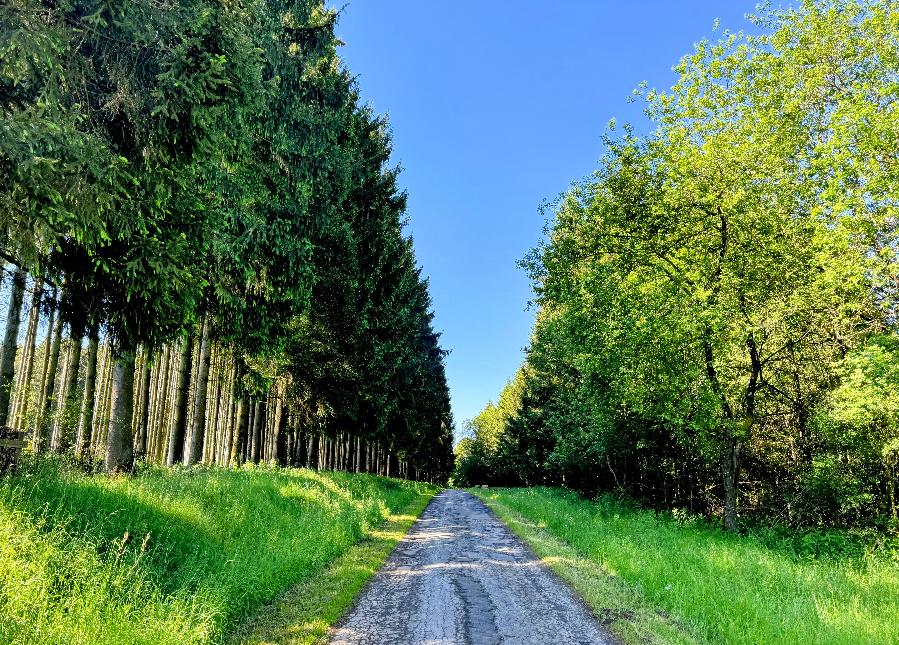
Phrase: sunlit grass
(653, 577)
(171, 556)
(304, 614)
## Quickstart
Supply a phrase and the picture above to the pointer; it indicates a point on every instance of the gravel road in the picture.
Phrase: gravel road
(460, 576)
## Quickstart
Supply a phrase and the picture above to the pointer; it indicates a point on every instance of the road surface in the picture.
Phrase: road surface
(461, 577)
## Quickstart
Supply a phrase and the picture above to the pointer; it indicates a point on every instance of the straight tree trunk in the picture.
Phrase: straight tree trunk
(68, 383)
(48, 384)
(730, 471)
(146, 399)
(195, 445)
(27, 367)
(258, 415)
(176, 444)
(10, 342)
(240, 441)
(102, 373)
(56, 404)
(86, 418)
(101, 425)
(120, 437)
(281, 453)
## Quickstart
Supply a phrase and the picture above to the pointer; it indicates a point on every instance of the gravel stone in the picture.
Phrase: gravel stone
(461, 576)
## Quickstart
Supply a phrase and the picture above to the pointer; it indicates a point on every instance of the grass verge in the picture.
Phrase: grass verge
(172, 556)
(654, 579)
(303, 615)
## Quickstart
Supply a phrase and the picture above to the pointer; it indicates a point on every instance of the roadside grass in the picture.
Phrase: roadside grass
(171, 555)
(304, 614)
(653, 578)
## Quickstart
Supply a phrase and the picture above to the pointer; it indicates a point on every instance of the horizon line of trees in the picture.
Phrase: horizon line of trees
(718, 306)
(203, 242)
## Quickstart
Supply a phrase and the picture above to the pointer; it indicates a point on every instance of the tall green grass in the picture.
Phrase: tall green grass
(720, 588)
(170, 556)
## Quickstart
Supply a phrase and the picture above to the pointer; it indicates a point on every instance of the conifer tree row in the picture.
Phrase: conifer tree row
(203, 244)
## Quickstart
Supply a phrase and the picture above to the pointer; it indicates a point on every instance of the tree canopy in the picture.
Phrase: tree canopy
(706, 297)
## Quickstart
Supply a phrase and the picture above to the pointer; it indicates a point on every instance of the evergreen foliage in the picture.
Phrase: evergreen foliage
(196, 186)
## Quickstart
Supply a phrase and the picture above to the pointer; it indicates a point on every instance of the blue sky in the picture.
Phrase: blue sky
(497, 106)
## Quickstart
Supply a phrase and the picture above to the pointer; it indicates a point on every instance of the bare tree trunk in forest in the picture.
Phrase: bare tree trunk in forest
(192, 452)
(230, 419)
(158, 403)
(145, 401)
(48, 384)
(86, 418)
(10, 342)
(240, 440)
(251, 417)
(730, 472)
(310, 450)
(43, 375)
(281, 435)
(212, 400)
(258, 416)
(101, 424)
(171, 409)
(120, 438)
(176, 444)
(56, 405)
(20, 411)
(61, 435)
(100, 387)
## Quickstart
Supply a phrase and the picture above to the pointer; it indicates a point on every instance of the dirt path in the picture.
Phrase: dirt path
(460, 576)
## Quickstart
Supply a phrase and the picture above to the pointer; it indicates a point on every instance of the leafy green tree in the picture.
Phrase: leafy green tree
(701, 290)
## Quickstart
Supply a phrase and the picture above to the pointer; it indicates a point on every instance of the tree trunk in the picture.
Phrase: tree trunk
(10, 342)
(176, 444)
(20, 412)
(258, 416)
(730, 471)
(86, 419)
(195, 445)
(281, 435)
(120, 438)
(59, 439)
(54, 338)
(240, 441)
(213, 394)
(146, 399)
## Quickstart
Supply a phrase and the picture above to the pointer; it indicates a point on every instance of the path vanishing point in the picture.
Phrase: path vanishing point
(461, 576)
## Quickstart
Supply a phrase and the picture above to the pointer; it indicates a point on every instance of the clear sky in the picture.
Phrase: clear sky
(495, 107)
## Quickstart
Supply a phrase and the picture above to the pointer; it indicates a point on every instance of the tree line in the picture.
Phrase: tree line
(203, 242)
(717, 320)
